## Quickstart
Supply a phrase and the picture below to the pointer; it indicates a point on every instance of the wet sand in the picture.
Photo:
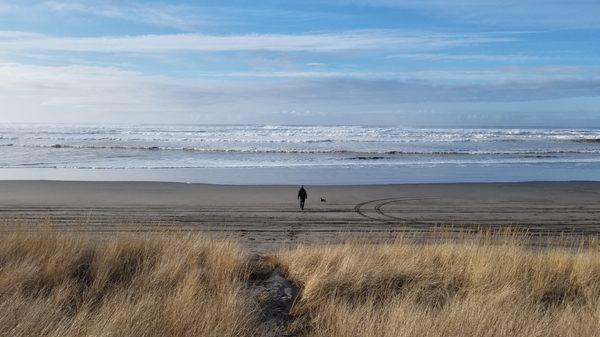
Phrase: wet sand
(268, 216)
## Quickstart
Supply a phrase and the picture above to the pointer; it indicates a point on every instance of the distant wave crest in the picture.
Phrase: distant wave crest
(312, 151)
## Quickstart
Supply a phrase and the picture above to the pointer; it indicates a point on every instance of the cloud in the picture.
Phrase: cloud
(391, 92)
(502, 75)
(465, 57)
(185, 16)
(16, 36)
(99, 88)
(318, 42)
(44, 93)
(174, 16)
(97, 94)
(5, 8)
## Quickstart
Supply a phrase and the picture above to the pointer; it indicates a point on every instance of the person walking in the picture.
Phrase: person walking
(302, 196)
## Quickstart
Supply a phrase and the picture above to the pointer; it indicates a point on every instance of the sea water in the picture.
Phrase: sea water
(296, 154)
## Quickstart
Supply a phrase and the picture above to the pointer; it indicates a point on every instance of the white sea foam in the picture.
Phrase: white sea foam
(121, 147)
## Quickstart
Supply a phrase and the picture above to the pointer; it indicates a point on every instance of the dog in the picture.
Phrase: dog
(323, 199)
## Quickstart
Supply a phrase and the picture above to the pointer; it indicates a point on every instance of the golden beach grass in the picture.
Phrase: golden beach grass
(67, 284)
(482, 286)
(62, 285)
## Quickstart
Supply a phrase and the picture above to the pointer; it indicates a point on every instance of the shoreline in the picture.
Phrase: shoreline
(321, 175)
(140, 182)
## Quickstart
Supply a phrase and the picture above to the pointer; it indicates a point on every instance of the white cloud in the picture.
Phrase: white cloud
(84, 90)
(101, 94)
(175, 16)
(16, 35)
(5, 8)
(318, 42)
(532, 74)
(466, 57)
(106, 94)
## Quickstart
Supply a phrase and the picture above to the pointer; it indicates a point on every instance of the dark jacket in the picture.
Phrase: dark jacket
(302, 194)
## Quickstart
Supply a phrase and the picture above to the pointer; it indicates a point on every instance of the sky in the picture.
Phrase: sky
(461, 63)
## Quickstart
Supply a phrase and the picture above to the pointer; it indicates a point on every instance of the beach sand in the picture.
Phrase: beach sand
(267, 217)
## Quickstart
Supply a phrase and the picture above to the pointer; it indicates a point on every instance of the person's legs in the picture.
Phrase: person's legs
(302, 204)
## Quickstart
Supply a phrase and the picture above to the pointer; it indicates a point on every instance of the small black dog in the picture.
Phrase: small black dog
(323, 200)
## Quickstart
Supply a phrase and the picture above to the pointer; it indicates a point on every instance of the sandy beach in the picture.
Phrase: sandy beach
(264, 217)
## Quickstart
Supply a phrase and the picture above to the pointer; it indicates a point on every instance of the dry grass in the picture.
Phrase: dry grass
(72, 285)
(65, 285)
(480, 287)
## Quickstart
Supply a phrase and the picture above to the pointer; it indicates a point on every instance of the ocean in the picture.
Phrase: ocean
(296, 154)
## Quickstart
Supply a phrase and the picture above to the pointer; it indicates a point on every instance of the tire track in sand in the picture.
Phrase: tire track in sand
(379, 203)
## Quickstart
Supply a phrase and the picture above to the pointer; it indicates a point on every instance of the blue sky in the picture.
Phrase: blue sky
(428, 62)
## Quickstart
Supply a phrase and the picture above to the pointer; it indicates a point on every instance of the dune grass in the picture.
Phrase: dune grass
(482, 286)
(63, 285)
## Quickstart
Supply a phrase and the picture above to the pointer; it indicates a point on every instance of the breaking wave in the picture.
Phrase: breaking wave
(310, 151)
(114, 147)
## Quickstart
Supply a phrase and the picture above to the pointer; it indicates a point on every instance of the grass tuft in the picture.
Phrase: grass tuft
(54, 284)
(484, 285)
